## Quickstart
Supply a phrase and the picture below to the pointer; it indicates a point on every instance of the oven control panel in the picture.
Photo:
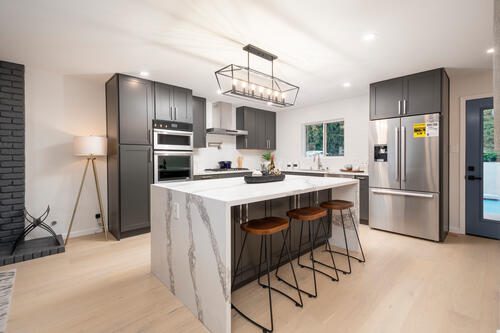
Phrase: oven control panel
(172, 125)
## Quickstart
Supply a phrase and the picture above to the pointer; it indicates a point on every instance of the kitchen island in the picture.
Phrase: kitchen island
(192, 232)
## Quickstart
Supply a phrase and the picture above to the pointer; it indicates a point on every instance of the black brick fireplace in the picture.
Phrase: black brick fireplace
(12, 171)
(11, 151)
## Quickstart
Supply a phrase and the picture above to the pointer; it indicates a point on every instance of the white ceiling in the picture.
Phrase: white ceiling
(319, 43)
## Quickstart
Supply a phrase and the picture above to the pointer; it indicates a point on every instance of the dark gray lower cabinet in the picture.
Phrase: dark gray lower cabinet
(248, 270)
(131, 174)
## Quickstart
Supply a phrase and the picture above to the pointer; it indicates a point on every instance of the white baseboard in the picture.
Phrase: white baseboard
(85, 232)
(457, 231)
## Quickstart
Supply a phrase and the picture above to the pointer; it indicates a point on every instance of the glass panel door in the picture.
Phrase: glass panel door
(482, 169)
(491, 166)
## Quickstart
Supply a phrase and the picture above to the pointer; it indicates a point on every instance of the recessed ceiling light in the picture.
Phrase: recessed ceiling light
(490, 51)
(368, 37)
(346, 84)
(144, 73)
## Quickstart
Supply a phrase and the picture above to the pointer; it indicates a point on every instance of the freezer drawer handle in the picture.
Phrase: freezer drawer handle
(406, 194)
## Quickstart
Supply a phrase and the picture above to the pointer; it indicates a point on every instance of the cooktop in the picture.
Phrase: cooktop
(228, 169)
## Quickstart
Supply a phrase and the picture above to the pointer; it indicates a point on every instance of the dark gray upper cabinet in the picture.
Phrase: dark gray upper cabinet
(246, 120)
(414, 94)
(163, 102)
(199, 122)
(136, 109)
(270, 129)
(422, 93)
(136, 176)
(261, 127)
(173, 103)
(386, 98)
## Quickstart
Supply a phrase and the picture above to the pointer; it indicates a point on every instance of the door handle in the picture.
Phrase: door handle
(404, 106)
(474, 178)
(149, 136)
(399, 107)
(396, 152)
(171, 114)
(150, 155)
(405, 194)
(403, 153)
(246, 142)
(175, 108)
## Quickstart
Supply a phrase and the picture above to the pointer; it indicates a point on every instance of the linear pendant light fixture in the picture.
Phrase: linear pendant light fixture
(247, 83)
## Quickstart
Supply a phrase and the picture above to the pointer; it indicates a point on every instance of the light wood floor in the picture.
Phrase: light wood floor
(406, 285)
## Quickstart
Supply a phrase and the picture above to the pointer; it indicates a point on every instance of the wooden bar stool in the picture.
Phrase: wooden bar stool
(340, 206)
(309, 215)
(266, 228)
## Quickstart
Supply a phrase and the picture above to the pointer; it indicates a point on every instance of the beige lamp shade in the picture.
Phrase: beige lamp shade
(90, 146)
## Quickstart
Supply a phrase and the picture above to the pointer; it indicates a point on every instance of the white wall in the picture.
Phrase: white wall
(59, 107)
(463, 83)
(290, 133)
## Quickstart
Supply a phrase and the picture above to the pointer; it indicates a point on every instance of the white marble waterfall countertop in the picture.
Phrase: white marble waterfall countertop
(234, 191)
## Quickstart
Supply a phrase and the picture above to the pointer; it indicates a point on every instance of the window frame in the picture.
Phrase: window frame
(324, 124)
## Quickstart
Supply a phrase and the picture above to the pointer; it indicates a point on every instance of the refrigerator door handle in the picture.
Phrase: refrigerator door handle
(403, 153)
(399, 107)
(396, 152)
(406, 194)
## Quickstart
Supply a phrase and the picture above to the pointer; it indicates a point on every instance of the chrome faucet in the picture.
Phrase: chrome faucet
(317, 158)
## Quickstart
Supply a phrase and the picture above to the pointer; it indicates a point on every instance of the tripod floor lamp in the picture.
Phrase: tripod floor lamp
(90, 147)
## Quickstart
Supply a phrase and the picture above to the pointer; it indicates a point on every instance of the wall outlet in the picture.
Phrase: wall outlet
(176, 210)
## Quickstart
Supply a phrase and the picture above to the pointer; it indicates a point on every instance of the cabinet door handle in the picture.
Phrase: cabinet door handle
(175, 113)
(399, 107)
(150, 155)
(149, 135)
(404, 106)
(246, 142)
(170, 110)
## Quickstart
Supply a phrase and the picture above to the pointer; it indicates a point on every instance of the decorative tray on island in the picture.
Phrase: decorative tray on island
(264, 179)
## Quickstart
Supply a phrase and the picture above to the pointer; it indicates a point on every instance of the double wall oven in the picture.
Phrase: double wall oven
(173, 151)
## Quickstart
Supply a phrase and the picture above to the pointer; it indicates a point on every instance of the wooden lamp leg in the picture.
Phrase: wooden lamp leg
(77, 200)
(104, 224)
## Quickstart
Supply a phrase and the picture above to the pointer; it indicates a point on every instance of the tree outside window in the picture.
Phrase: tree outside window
(325, 137)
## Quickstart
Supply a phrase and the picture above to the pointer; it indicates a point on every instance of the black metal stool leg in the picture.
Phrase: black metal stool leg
(328, 249)
(346, 244)
(239, 260)
(357, 236)
(268, 252)
(311, 240)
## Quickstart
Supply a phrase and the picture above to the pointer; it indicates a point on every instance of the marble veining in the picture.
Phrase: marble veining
(205, 218)
(168, 224)
(192, 261)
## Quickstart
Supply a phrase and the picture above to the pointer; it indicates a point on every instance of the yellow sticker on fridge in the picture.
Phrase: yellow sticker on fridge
(419, 130)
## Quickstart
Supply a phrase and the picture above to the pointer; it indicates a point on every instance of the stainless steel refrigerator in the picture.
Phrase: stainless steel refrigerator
(408, 170)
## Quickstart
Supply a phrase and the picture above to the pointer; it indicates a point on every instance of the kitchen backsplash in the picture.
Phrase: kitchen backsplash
(208, 158)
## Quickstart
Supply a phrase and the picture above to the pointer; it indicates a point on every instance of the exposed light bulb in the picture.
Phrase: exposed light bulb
(276, 93)
(253, 87)
(269, 91)
(144, 73)
(261, 89)
(243, 84)
(235, 82)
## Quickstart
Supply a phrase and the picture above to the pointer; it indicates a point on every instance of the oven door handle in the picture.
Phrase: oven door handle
(177, 153)
(164, 131)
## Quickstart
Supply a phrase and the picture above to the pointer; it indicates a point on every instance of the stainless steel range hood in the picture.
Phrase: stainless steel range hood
(225, 131)
(223, 122)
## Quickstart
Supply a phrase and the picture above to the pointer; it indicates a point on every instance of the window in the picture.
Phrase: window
(327, 136)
